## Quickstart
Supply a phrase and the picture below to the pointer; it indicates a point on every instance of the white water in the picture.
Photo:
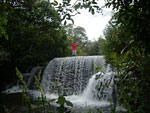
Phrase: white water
(79, 74)
(71, 72)
(14, 89)
(87, 98)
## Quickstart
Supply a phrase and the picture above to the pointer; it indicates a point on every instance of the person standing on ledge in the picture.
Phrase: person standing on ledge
(74, 49)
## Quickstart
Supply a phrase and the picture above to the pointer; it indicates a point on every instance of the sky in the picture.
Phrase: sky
(93, 24)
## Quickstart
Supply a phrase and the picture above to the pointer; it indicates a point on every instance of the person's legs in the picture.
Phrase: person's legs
(74, 52)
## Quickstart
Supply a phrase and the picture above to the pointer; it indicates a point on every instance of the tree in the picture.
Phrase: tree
(3, 18)
(127, 49)
(77, 34)
(126, 46)
(96, 47)
(35, 36)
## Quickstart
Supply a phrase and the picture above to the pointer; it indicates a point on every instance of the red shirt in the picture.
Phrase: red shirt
(74, 46)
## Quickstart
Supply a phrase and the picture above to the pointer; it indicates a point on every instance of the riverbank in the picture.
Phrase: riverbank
(14, 104)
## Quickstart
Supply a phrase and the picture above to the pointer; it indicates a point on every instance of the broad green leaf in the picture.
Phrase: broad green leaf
(77, 6)
(53, 83)
(92, 11)
(94, 2)
(61, 109)
(61, 100)
(69, 103)
(52, 100)
(72, 20)
(65, 22)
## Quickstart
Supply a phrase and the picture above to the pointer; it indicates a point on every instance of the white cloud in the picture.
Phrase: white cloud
(93, 24)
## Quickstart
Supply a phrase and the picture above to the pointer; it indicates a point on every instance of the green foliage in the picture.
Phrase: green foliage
(3, 19)
(37, 81)
(20, 76)
(78, 35)
(90, 111)
(127, 49)
(69, 8)
(98, 68)
(43, 104)
(35, 25)
(86, 47)
(98, 110)
(38, 29)
(96, 47)
(6, 109)
(62, 100)
(25, 97)
(35, 36)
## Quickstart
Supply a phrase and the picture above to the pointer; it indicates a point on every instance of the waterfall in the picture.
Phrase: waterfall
(72, 72)
(34, 72)
(80, 81)
(78, 78)
(89, 87)
(98, 92)
(100, 86)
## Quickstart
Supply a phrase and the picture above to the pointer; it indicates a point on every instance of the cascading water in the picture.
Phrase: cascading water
(71, 72)
(79, 74)
(87, 86)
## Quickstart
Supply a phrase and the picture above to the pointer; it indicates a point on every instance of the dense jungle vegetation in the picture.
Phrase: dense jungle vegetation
(127, 49)
(32, 33)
